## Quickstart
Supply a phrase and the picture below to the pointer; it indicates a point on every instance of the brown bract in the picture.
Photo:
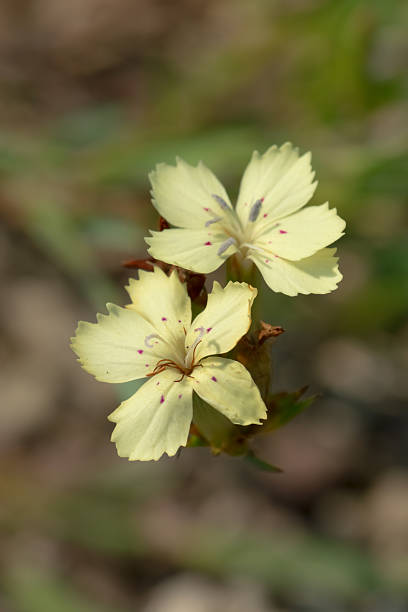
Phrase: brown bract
(268, 331)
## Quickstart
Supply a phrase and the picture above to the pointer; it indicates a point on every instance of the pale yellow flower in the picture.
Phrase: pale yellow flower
(267, 226)
(154, 337)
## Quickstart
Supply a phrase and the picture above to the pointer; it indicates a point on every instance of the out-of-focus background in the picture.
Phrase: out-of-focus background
(93, 94)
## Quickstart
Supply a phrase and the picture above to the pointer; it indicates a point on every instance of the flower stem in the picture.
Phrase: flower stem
(240, 269)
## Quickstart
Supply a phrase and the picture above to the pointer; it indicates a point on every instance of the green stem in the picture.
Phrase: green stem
(257, 305)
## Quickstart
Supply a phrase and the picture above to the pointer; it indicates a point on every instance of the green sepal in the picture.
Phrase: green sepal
(195, 440)
(283, 407)
(251, 458)
(221, 435)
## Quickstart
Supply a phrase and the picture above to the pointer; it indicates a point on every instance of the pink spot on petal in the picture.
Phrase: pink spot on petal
(162, 399)
(282, 232)
(262, 199)
(140, 351)
(179, 320)
(146, 365)
(180, 396)
(276, 256)
(207, 244)
(164, 319)
(206, 209)
(158, 383)
(266, 260)
(209, 329)
(265, 215)
(213, 378)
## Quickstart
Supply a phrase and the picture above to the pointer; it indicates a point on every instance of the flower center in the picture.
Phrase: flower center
(189, 361)
(230, 225)
(163, 364)
(228, 221)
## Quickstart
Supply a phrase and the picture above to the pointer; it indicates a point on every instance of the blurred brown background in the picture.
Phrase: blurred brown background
(93, 94)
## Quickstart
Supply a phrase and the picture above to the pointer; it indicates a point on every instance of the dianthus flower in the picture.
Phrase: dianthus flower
(266, 226)
(154, 337)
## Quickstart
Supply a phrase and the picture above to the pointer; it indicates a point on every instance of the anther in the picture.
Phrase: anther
(255, 209)
(220, 201)
(225, 245)
(149, 337)
(215, 220)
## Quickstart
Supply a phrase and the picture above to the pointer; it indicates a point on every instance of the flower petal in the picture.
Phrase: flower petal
(114, 349)
(225, 319)
(184, 194)
(303, 233)
(227, 385)
(195, 250)
(155, 420)
(163, 301)
(280, 178)
(316, 274)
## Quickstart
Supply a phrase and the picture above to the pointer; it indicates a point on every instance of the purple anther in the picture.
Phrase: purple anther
(255, 209)
(225, 245)
(220, 201)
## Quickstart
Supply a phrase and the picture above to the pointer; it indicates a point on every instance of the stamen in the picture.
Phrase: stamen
(255, 209)
(191, 351)
(149, 337)
(252, 246)
(215, 220)
(220, 201)
(225, 245)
